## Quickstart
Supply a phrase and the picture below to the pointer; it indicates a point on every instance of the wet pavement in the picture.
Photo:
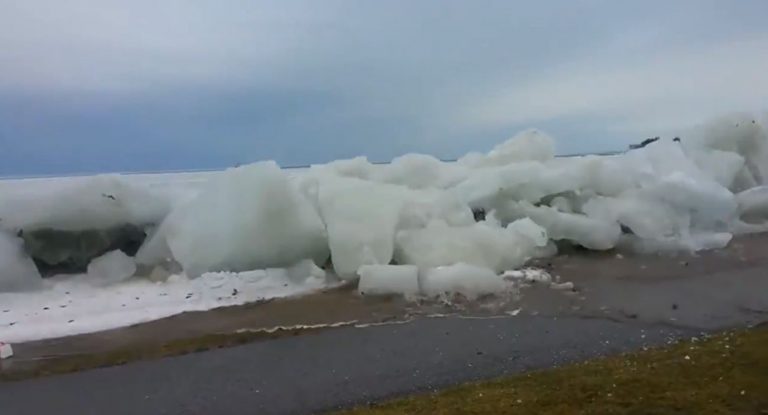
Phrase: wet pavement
(332, 369)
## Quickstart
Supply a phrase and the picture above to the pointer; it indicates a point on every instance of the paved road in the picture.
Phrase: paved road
(622, 304)
(333, 368)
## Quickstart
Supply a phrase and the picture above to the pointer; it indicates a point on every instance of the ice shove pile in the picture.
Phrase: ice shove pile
(420, 224)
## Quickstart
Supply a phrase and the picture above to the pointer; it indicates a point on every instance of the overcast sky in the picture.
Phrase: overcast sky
(114, 85)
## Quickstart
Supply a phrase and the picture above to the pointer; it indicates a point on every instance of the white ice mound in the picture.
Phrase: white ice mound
(753, 210)
(583, 230)
(17, 270)
(361, 219)
(111, 268)
(251, 217)
(468, 280)
(388, 279)
(646, 218)
(529, 145)
(481, 244)
(754, 202)
(421, 171)
(97, 202)
(741, 134)
(692, 194)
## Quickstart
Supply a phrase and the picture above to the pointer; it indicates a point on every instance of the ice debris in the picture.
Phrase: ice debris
(389, 279)
(461, 224)
(111, 268)
(6, 351)
(17, 270)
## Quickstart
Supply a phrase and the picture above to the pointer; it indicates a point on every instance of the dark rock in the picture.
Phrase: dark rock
(67, 252)
(479, 214)
(644, 143)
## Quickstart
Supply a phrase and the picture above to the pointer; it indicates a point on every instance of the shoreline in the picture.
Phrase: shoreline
(708, 291)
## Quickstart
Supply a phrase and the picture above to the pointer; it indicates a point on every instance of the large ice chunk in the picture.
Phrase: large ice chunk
(741, 134)
(586, 231)
(529, 229)
(421, 171)
(481, 244)
(531, 181)
(606, 175)
(98, 202)
(111, 268)
(251, 217)
(721, 166)
(362, 218)
(528, 145)
(753, 202)
(689, 242)
(358, 168)
(17, 270)
(708, 201)
(469, 280)
(646, 218)
(388, 279)
(422, 207)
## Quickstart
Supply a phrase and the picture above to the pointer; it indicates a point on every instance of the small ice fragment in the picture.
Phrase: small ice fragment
(17, 270)
(6, 351)
(302, 270)
(388, 279)
(111, 268)
(515, 312)
(469, 280)
(528, 275)
(565, 286)
(513, 274)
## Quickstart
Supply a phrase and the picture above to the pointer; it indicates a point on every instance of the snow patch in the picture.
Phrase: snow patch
(71, 305)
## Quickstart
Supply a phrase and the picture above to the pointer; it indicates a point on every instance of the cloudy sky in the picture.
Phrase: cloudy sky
(113, 85)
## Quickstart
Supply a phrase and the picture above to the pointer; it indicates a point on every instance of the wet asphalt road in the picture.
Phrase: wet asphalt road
(621, 304)
(334, 368)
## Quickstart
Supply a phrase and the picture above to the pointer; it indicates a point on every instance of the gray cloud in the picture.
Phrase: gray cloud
(311, 80)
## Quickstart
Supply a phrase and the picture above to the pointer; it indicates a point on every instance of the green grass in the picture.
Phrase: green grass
(725, 374)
